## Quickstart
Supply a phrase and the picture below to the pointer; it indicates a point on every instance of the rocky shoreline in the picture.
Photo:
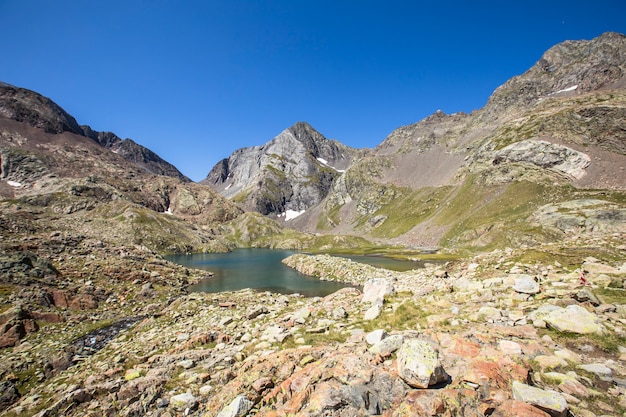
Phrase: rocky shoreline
(485, 336)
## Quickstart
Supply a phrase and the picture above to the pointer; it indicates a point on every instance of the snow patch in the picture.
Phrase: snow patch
(14, 183)
(292, 214)
(325, 163)
(565, 90)
(228, 186)
(169, 210)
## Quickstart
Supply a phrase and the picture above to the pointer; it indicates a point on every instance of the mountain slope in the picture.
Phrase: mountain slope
(32, 108)
(292, 172)
(551, 135)
(99, 192)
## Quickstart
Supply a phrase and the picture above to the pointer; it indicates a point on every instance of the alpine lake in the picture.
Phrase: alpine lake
(262, 270)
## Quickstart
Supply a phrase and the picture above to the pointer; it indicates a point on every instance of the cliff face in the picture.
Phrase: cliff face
(292, 172)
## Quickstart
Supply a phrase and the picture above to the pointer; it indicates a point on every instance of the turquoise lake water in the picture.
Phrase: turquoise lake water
(261, 269)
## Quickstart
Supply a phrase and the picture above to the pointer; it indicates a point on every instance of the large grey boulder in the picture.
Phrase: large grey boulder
(388, 345)
(419, 365)
(525, 284)
(574, 319)
(238, 407)
(376, 289)
(549, 401)
(182, 401)
(374, 311)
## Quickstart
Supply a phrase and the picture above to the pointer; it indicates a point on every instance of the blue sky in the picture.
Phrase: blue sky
(196, 80)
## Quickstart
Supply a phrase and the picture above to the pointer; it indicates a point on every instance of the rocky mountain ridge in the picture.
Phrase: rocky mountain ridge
(29, 107)
(290, 173)
(452, 180)
(73, 176)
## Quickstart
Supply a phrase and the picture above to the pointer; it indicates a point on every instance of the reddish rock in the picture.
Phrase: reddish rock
(523, 332)
(11, 334)
(420, 403)
(497, 374)
(83, 302)
(574, 388)
(262, 384)
(16, 323)
(464, 348)
(228, 304)
(48, 317)
(518, 409)
(61, 298)
(532, 349)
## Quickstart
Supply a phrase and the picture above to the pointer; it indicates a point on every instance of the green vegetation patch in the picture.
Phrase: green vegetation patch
(408, 209)
(407, 316)
(609, 342)
(477, 210)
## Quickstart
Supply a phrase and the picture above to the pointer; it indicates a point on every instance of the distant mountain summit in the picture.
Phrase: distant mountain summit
(287, 175)
(540, 149)
(32, 108)
(568, 68)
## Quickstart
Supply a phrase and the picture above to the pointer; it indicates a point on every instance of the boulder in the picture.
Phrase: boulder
(238, 407)
(388, 345)
(375, 336)
(509, 347)
(574, 319)
(490, 313)
(377, 289)
(568, 384)
(340, 313)
(419, 365)
(182, 401)
(8, 394)
(585, 295)
(374, 311)
(549, 401)
(597, 368)
(525, 284)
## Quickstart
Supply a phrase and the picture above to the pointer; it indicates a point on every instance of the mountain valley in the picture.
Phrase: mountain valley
(522, 203)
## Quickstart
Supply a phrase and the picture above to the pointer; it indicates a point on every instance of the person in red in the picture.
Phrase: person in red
(583, 278)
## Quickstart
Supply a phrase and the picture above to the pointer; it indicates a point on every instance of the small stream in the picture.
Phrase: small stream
(87, 345)
(94, 341)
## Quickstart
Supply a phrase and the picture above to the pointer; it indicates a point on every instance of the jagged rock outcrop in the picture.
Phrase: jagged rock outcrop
(133, 152)
(567, 69)
(290, 173)
(545, 155)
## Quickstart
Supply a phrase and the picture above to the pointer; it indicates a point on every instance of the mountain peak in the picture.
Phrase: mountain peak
(568, 68)
(293, 171)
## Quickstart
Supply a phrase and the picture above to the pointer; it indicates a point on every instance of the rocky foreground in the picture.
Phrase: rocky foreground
(490, 336)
